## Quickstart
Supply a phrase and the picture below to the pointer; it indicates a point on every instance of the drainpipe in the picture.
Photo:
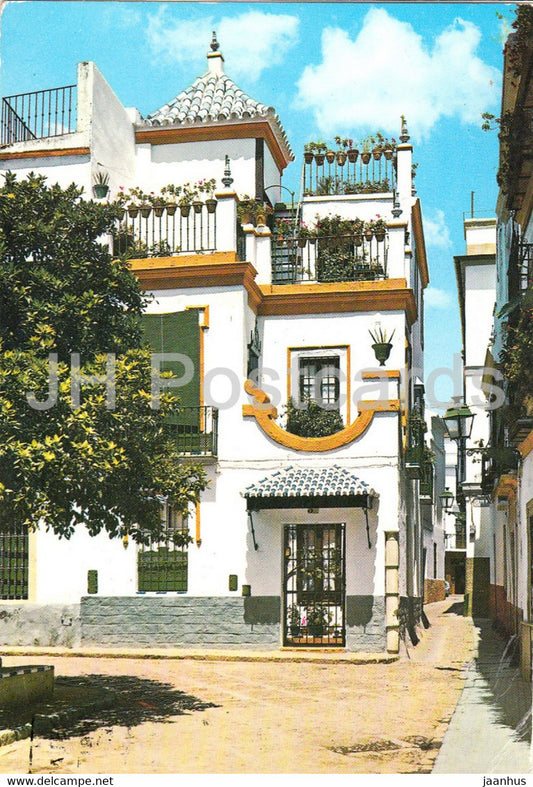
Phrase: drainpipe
(392, 594)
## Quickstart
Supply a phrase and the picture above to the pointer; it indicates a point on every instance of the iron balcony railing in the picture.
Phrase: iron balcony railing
(494, 463)
(162, 232)
(323, 177)
(328, 259)
(43, 113)
(525, 264)
(196, 431)
(415, 449)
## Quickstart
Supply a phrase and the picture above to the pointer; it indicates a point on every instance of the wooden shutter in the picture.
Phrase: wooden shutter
(178, 332)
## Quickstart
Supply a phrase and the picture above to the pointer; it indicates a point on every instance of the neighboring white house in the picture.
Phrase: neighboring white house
(298, 541)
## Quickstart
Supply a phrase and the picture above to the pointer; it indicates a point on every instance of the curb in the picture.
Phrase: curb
(45, 723)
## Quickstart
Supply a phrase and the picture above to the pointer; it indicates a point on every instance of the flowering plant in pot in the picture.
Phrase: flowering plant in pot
(247, 209)
(189, 194)
(303, 234)
(320, 154)
(382, 344)
(208, 187)
(171, 194)
(283, 230)
(294, 620)
(158, 203)
(380, 228)
(317, 620)
(342, 147)
(309, 152)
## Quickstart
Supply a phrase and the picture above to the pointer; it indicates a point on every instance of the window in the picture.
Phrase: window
(163, 566)
(319, 563)
(319, 380)
(14, 563)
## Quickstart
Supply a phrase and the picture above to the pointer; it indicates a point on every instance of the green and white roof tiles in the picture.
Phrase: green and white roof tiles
(333, 481)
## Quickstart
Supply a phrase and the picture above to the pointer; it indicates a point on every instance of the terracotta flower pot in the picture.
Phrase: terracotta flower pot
(330, 156)
(368, 234)
(353, 155)
(133, 211)
(171, 209)
(185, 210)
(308, 157)
(211, 205)
(388, 153)
(365, 157)
(145, 211)
(197, 206)
(302, 242)
(380, 236)
(377, 153)
(158, 212)
(319, 158)
(341, 158)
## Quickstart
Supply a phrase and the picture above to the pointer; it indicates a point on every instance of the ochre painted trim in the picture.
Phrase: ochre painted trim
(224, 269)
(250, 129)
(53, 153)
(418, 231)
(387, 295)
(506, 487)
(264, 413)
(214, 270)
(393, 374)
(198, 526)
(526, 446)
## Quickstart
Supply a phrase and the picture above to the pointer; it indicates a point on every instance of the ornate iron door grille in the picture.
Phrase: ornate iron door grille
(14, 562)
(314, 585)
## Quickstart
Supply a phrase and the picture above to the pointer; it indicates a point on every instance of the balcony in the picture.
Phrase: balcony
(348, 171)
(495, 463)
(196, 431)
(525, 265)
(148, 231)
(43, 113)
(328, 259)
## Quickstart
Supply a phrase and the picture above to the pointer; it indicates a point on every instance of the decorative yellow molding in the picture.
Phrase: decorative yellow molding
(526, 446)
(265, 415)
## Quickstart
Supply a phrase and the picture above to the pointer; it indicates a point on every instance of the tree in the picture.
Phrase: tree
(101, 464)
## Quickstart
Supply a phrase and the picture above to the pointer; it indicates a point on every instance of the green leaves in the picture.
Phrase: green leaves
(61, 292)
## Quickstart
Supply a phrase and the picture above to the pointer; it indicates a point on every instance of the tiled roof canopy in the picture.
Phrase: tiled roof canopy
(307, 482)
(214, 99)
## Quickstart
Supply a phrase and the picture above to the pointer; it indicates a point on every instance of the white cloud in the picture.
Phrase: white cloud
(388, 71)
(437, 299)
(436, 232)
(250, 42)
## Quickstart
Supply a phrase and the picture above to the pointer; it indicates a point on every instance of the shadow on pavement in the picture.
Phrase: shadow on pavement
(83, 704)
(509, 695)
(456, 608)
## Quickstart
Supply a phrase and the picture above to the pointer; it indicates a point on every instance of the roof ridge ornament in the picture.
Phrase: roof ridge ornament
(214, 43)
(404, 136)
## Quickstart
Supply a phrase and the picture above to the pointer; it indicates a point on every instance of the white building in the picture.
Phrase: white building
(298, 540)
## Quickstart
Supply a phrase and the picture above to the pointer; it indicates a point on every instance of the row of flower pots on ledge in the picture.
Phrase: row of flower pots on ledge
(330, 228)
(169, 200)
(370, 147)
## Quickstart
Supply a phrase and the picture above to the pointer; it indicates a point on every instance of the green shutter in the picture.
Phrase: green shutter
(178, 332)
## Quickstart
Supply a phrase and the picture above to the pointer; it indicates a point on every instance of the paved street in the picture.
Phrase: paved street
(193, 716)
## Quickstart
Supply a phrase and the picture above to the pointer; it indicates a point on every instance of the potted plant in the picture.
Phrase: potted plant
(380, 229)
(158, 203)
(330, 156)
(171, 194)
(302, 234)
(342, 145)
(366, 149)
(389, 147)
(352, 152)
(378, 149)
(320, 148)
(317, 620)
(208, 186)
(101, 184)
(368, 230)
(188, 195)
(294, 620)
(246, 209)
(309, 152)
(382, 344)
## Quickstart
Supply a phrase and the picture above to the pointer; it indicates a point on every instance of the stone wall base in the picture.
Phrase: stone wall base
(365, 624)
(40, 625)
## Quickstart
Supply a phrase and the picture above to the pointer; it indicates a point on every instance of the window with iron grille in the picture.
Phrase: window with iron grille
(14, 563)
(319, 577)
(163, 566)
(319, 380)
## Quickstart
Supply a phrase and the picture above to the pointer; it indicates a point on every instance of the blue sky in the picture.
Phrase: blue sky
(327, 68)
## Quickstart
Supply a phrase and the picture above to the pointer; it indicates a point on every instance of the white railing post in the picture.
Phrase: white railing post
(226, 218)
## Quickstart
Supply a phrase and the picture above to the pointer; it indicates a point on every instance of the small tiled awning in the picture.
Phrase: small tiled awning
(306, 487)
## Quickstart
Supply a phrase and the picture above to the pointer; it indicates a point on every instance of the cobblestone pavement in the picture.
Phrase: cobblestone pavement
(262, 717)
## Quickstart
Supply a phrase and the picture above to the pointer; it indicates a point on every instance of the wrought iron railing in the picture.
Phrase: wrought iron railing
(494, 463)
(196, 431)
(323, 177)
(161, 232)
(415, 449)
(43, 113)
(334, 258)
(525, 263)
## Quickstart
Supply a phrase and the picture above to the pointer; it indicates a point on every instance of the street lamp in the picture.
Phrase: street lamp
(446, 498)
(458, 421)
